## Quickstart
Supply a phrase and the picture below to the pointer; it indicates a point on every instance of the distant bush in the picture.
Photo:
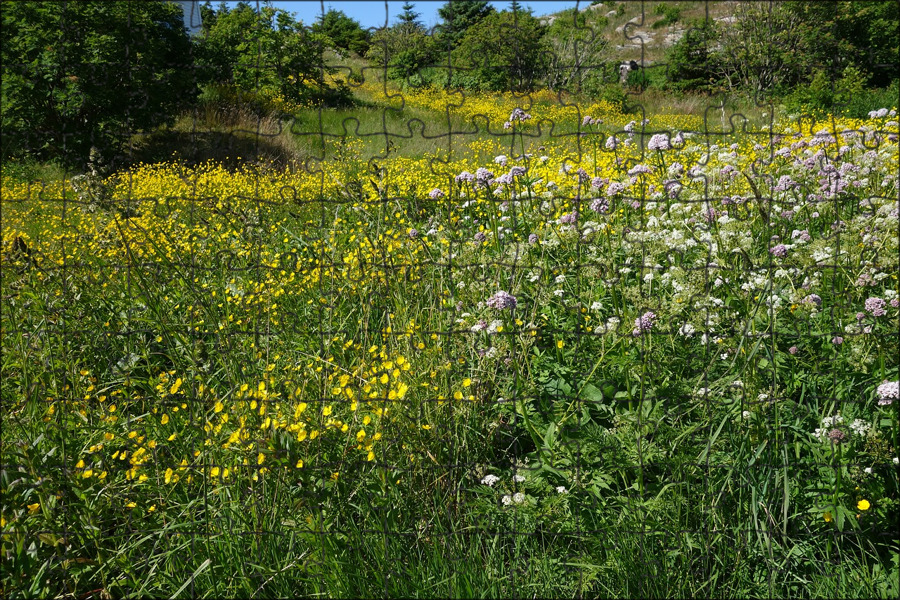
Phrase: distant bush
(505, 51)
(644, 78)
(692, 61)
(670, 14)
(847, 95)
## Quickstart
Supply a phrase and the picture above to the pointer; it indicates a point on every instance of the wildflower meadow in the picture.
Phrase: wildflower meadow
(577, 349)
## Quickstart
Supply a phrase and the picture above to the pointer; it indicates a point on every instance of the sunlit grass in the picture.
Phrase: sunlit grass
(604, 369)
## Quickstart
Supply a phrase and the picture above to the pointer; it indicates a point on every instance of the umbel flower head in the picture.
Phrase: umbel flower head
(887, 392)
(644, 323)
(659, 142)
(502, 300)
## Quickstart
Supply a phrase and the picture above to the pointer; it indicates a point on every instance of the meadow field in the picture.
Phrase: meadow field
(492, 346)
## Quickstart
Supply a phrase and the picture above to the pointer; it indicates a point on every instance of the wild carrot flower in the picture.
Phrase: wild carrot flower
(614, 188)
(519, 115)
(802, 235)
(483, 177)
(785, 183)
(640, 170)
(489, 480)
(600, 205)
(569, 217)
(859, 427)
(813, 299)
(836, 435)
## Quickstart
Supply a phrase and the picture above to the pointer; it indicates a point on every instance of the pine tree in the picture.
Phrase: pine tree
(408, 20)
(459, 15)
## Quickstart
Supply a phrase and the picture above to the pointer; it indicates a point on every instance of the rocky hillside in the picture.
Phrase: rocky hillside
(637, 30)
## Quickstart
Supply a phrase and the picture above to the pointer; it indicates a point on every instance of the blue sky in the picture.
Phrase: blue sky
(372, 13)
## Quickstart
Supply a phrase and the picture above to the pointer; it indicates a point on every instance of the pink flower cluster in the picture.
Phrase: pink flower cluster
(644, 323)
(502, 300)
(888, 392)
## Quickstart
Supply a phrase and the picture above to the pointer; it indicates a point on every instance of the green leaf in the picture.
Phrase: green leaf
(592, 393)
(550, 436)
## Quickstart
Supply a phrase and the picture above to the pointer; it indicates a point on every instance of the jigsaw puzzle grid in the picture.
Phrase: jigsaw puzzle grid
(625, 309)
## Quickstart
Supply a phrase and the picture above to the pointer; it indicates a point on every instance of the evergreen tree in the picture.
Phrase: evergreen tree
(343, 32)
(408, 20)
(458, 16)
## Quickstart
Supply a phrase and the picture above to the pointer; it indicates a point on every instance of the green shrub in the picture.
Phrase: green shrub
(647, 77)
(342, 32)
(692, 63)
(505, 51)
(670, 14)
(89, 74)
(267, 51)
(847, 95)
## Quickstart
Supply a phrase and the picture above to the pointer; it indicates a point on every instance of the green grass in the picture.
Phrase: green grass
(669, 491)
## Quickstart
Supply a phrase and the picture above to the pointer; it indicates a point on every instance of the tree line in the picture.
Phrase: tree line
(78, 75)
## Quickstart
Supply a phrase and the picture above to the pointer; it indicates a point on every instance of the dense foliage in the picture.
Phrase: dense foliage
(343, 33)
(782, 49)
(267, 51)
(457, 16)
(83, 74)
(503, 51)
